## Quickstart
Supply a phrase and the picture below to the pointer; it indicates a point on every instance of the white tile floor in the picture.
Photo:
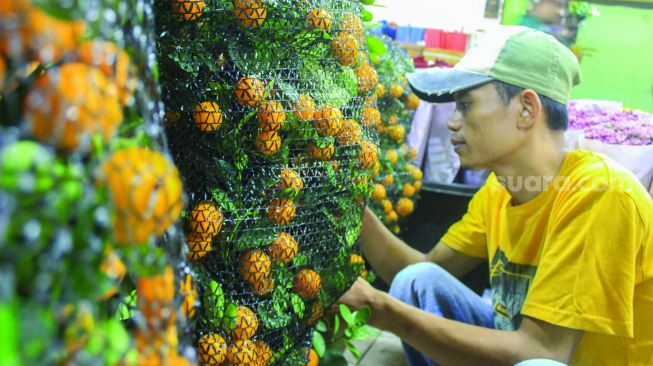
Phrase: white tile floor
(383, 351)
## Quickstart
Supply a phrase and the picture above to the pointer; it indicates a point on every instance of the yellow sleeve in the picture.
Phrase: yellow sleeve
(586, 276)
(469, 234)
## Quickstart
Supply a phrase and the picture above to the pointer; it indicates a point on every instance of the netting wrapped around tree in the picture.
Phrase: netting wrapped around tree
(397, 186)
(91, 271)
(265, 116)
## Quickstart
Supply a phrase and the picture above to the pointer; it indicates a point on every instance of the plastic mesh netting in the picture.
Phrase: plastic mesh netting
(397, 186)
(267, 120)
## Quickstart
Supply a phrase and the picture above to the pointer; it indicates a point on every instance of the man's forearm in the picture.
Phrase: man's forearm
(386, 253)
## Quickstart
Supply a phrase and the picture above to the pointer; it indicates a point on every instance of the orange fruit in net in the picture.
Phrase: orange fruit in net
(283, 249)
(392, 156)
(387, 206)
(250, 13)
(70, 104)
(380, 90)
(114, 268)
(352, 24)
(396, 132)
(255, 266)
(368, 155)
(316, 313)
(358, 263)
(335, 165)
(396, 91)
(114, 63)
(319, 19)
(271, 116)
(206, 219)
(371, 117)
(242, 353)
(262, 288)
(146, 192)
(376, 169)
(304, 108)
(371, 101)
(417, 185)
(313, 360)
(328, 120)
(417, 173)
(290, 180)
(391, 216)
(211, 349)
(412, 102)
(263, 353)
(367, 78)
(198, 246)
(393, 120)
(405, 207)
(408, 190)
(307, 284)
(208, 116)
(388, 180)
(246, 324)
(379, 192)
(249, 91)
(188, 10)
(320, 153)
(268, 143)
(345, 48)
(188, 291)
(281, 210)
(350, 133)
(156, 295)
(410, 153)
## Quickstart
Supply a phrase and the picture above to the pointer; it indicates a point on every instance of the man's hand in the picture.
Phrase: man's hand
(362, 294)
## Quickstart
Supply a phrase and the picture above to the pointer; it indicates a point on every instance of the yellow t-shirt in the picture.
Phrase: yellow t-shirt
(579, 255)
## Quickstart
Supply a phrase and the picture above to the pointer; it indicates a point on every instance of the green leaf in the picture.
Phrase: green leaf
(367, 16)
(365, 332)
(251, 239)
(333, 357)
(348, 333)
(229, 320)
(221, 197)
(321, 326)
(318, 343)
(353, 349)
(336, 324)
(362, 315)
(298, 305)
(376, 45)
(346, 314)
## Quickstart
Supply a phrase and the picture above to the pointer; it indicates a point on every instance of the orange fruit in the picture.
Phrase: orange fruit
(242, 353)
(198, 246)
(379, 192)
(405, 207)
(417, 173)
(307, 284)
(206, 219)
(368, 155)
(371, 117)
(268, 143)
(145, 189)
(114, 268)
(156, 295)
(345, 48)
(375, 171)
(319, 19)
(350, 133)
(388, 180)
(250, 13)
(304, 108)
(249, 91)
(114, 63)
(395, 229)
(188, 10)
(392, 156)
(321, 153)
(328, 120)
(313, 360)
(380, 90)
(408, 190)
(70, 104)
(281, 210)
(263, 353)
(393, 120)
(3, 73)
(358, 263)
(208, 116)
(391, 216)
(409, 152)
(270, 116)
(188, 291)
(387, 206)
(417, 185)
(367, 78)
(211, 349)
(255, 266)
(290, 180)
(396, 91)
(316, 313)
(246, 324)
(352, 23)
(412, 102)
(335, 165)
(262, 288)
(396, 132)
(283, 249)
(371, 101)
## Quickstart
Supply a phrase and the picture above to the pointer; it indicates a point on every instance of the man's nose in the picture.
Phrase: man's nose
(455, 122)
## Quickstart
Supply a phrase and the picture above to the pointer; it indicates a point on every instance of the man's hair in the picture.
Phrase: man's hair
(556, 112)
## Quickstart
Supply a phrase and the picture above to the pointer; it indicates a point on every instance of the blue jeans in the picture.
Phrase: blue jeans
(429, 287)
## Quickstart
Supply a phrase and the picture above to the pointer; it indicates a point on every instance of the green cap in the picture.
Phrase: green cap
(515, 55)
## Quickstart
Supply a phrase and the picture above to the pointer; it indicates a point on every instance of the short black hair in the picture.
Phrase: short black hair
(556, 112)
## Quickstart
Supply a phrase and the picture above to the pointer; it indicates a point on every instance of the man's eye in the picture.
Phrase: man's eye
(462, 106)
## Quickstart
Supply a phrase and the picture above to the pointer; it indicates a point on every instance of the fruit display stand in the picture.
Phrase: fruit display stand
(90, 267)
(264, 105)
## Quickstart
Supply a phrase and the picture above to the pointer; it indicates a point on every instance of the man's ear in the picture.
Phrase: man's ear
(530, 109)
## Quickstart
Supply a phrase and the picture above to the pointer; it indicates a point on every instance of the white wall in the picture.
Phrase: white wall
(450, 15)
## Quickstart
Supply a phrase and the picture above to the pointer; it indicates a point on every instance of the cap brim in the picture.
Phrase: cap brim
(439, 85)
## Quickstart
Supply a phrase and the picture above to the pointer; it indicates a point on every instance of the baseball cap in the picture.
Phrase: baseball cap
(515, 55)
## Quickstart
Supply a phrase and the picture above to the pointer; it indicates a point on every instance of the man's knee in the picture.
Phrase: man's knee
(417, 278)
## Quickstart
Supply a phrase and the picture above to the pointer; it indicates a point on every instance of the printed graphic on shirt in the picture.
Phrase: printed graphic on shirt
(509, 283)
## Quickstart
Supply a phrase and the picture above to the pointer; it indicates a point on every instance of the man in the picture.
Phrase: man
(568, 235)
(545, 16)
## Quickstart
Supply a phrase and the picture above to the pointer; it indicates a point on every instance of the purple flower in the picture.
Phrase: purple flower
(612, 126)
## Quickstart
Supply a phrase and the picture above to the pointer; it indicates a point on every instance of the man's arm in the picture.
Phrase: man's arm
(449, 342)
(387, 254)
